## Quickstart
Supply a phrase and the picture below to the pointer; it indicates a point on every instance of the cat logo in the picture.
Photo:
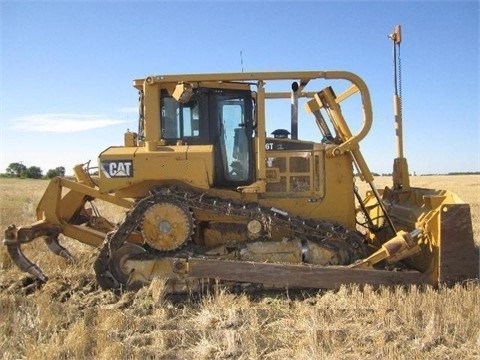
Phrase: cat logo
(117, 168)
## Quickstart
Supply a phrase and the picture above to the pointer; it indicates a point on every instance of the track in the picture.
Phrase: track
(348, 245)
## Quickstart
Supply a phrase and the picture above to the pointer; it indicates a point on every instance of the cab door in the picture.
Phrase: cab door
(231, 129)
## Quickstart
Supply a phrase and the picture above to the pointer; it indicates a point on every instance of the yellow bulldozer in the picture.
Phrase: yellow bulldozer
(208, 196)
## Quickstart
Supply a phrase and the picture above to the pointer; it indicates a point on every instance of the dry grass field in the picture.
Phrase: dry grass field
(69, 317)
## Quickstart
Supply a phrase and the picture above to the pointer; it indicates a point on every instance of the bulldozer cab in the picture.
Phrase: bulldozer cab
(222, 118)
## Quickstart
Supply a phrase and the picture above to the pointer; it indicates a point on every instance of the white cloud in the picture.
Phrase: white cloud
(61, 123)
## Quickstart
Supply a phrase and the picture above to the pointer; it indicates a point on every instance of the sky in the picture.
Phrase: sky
(67, 69)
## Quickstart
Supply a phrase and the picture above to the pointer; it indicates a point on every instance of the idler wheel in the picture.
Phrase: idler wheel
(118, 263)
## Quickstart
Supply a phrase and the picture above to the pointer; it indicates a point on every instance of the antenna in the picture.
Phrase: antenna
(241, 59)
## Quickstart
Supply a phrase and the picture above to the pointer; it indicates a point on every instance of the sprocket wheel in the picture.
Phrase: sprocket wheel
(167, 225)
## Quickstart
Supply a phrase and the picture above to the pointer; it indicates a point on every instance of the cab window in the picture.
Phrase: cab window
(179, 121)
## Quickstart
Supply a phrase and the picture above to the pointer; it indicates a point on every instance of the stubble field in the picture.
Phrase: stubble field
(69, 317)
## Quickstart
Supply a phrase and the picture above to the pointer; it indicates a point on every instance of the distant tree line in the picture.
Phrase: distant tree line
(19, 170)
(455, 173)
(436, 174)
(464, 173)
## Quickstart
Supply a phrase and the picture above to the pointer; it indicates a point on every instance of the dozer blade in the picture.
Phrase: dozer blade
(458, 256)
(447, 251)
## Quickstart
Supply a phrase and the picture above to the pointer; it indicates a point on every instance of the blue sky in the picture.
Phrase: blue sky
(67, 69)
